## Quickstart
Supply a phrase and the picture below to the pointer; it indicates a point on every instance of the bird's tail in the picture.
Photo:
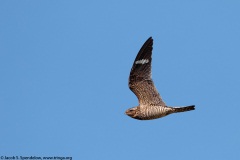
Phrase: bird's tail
(184, 109)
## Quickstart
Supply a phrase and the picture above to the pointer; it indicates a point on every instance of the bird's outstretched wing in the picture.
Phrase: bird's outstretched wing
(140, 79)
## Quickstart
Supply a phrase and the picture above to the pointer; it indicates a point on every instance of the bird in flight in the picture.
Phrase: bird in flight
(151, 105)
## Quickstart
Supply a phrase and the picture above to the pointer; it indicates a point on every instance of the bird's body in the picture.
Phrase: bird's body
(151, 105)
(153, 112)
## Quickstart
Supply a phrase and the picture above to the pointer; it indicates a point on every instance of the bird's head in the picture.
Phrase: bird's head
(132, 112)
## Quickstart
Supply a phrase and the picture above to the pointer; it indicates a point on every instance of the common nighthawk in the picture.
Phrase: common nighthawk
(151, 105)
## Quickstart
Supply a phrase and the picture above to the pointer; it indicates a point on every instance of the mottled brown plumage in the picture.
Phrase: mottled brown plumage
(151, 105)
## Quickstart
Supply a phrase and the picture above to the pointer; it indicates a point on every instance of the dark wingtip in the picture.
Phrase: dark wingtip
(150, 38)
(149, 41)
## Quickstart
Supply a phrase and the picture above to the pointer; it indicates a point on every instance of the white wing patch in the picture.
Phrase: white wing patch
(142, 61)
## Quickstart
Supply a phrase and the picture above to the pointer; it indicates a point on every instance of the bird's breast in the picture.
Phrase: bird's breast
(153, 112)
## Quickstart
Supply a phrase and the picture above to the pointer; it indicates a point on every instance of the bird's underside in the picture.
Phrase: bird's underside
(151, 105)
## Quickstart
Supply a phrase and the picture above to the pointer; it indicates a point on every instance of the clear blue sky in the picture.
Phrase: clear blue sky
(64, 68)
